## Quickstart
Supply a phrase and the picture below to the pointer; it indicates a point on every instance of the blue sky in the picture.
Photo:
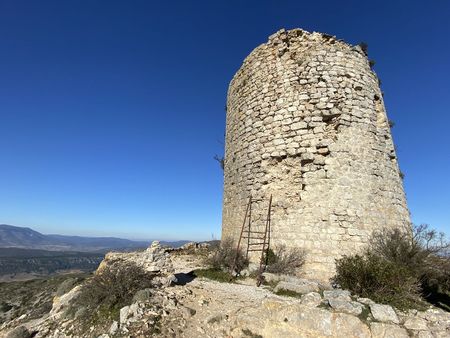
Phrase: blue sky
(111, 111)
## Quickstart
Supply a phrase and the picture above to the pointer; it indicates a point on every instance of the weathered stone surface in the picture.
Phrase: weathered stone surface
(306, 124)
(113, 328)
(297, 320)
(384, 313)
(366, 301)
(415, 323)
(425, 334)
(19, 332)
(142, 295)
(311, 299)
(337, 295)
(154, 260)
(123, 314)
(353, 308)
(207, 308)
(382, 330)
(61, 303)
(189, 312)
(302, 286)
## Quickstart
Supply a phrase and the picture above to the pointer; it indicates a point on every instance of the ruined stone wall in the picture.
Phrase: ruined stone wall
(306, 123)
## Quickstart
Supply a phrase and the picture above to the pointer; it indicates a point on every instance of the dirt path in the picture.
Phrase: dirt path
(216, 304)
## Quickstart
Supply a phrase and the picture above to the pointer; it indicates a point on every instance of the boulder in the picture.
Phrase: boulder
(154, 259)
(189, 246)
(415, 323)
(123, 314)
(384, 313)
(312, 299)
(425, 334)
(61, 303)
(289, 320)
(142, 295)
(382, 330)
(113, 328)
(337, 294)
(300, 286)
(353, 308)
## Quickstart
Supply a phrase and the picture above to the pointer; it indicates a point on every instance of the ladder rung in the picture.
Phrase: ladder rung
(253, 237)
(254, 250)
(257, 243)
(256, 232)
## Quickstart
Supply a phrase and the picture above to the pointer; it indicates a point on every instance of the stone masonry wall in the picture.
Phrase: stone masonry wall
(306, 123)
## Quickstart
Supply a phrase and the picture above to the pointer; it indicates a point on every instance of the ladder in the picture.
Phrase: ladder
(257, 241)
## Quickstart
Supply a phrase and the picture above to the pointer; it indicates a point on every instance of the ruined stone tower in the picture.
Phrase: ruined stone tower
(306, 123)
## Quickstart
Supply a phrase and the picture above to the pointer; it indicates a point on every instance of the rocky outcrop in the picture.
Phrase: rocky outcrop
(204, 308)
(153, 259)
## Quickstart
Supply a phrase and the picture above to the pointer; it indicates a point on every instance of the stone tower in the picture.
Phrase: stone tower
(306, 123)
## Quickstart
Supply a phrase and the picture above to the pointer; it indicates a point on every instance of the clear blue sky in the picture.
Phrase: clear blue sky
(111, 111)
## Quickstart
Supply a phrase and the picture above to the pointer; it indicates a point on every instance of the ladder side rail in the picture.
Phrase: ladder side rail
(261, 262)
(240, 236)
(249, 224)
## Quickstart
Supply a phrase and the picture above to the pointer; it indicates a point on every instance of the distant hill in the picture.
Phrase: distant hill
(21, 237)
(34, 262)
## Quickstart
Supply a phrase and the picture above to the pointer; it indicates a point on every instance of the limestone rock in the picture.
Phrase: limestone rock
(302, 286)
(337, 295)
(365, 301)
(189, 246)
(312, 299)
(142, 295)
(189, 312)
(382, 330)
(19, 332)
(290, 320)
(154, 259)
(384, 313)
(113, 328)
(61, 303)
(123, 314)
(353, 308)
(415, 323)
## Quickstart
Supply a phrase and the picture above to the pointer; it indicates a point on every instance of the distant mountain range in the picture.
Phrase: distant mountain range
(21, 237)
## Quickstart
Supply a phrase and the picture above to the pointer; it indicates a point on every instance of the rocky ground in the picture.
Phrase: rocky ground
(197, 307)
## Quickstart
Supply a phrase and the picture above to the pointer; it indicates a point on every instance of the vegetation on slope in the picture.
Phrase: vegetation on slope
(400, 269)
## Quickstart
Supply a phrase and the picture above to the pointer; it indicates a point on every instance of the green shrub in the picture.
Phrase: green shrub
(285, 261)
(226, 256)
(373, 277)
(400, 268)
(112, 288)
